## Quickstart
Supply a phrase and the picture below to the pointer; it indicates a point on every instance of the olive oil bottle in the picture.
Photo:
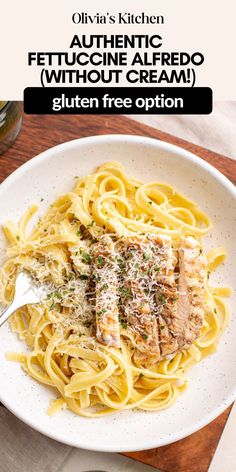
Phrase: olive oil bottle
(10, 123)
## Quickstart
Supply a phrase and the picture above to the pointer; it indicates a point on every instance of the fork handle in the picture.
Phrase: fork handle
(8, 312)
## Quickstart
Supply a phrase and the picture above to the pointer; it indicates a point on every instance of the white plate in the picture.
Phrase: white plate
(212, 383)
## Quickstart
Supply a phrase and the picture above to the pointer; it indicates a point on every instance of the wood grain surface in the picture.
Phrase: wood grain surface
(194, 453)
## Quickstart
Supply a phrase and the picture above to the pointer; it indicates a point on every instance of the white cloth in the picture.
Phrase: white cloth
(24, 450)
(216, 131)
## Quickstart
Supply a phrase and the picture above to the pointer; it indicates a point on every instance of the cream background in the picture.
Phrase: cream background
(46, 26)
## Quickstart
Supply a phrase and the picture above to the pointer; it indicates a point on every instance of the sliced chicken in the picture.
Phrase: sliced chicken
(190, 307)
(136, 299)
(150, 289)
(165, 293)
(106, 287)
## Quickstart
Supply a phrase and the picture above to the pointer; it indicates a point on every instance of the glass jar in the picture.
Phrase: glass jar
(10, 123)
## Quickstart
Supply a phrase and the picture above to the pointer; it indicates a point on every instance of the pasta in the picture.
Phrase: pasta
(91, 378)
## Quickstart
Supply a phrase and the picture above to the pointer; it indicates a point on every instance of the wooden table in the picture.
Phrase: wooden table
(194, 453)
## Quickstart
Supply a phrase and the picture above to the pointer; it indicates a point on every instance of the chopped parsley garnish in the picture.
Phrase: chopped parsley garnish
(78, 233)
(86, 257)
(146, 256)
(100, 260)
(144, 336)
(123, 323)
(83, 277)
(90, 224)
(71, 276)
(162, 298)
(101, 312)
(126, 292)
(105, 287)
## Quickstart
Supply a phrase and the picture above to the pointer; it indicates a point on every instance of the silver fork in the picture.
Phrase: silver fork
(27, 292)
